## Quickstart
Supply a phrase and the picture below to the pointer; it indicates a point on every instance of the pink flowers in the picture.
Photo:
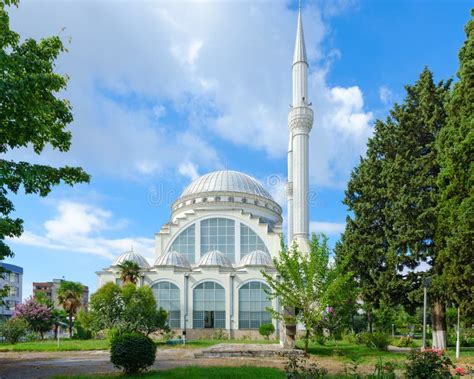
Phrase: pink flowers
(460, 371)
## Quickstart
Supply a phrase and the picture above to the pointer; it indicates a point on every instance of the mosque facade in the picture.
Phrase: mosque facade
(224, 230)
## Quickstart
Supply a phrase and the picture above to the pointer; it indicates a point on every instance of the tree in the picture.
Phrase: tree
(58, 316)
(302, 282)
(106, 307)
(37, 315)
(129, 272)
(31, 114)
(393, 197)
(455, 146)
(128, 309)
(70, 297)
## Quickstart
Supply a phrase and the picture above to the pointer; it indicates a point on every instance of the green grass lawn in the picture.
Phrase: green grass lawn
(52, 345)
(76, 345)
(345, 351)
(243, 372)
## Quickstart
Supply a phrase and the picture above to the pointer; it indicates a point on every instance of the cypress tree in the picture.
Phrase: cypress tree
(455, 147)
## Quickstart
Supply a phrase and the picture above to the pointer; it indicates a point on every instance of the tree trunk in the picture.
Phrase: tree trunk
(42, 335)
(306, 342)
(287, 332)
(70, 325)
(439, 325)
(55, 331)
(369, 321)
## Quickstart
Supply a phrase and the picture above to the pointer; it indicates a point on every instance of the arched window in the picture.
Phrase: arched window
(208, 306)
(167, 297)
(184, 243)
(218, 234)
(249, 241)
(253, 301)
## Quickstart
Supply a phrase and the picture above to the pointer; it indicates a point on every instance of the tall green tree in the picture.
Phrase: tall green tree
(393, 196)
(70, 298)
(31, 115)
(455, 147)
(302, 283)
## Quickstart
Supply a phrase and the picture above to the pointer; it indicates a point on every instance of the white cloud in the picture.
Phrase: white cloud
(385, 95)
(79, 227)
(329, 228)
(223, 66)
(188, 170)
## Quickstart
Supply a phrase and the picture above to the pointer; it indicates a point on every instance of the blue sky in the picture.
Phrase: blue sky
(165, 91)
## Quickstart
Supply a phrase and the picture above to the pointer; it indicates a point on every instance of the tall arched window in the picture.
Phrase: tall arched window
(184, 243)
(249, 241)
(167, 297)
(208, 306)
(253, 301)
(218, 234)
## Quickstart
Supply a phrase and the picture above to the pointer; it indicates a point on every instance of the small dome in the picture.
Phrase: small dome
(256, 258)
(174, 259)
(131, 256)
(214, 258)
(226, 181)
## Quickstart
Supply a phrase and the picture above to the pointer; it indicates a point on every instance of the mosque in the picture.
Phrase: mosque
(224, 229)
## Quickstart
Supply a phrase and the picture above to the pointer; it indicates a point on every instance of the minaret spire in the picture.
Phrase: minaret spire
(300, 122)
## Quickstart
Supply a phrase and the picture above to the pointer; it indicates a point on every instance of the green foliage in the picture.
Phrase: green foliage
(129, 272)
(298, 367)
(266, 330)
(404, 342)
(13, 329)
(377, 340)
(70, 297)
(428, 364)
(455, 147)
(303, 283)
(127, 309)
(31, 114)
(132, 352)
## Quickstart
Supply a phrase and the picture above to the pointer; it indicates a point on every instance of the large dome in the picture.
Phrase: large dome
(226, 181)
(131, 256)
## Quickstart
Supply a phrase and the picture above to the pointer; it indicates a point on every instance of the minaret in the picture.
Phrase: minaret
(300, 122)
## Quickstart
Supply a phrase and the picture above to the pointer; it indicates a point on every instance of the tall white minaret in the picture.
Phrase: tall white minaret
(300, 122)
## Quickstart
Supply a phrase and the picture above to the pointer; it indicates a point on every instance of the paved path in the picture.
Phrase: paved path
(26, 365)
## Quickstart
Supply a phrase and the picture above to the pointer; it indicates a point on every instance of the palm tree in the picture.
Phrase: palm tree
(129, 272)
(70, 297)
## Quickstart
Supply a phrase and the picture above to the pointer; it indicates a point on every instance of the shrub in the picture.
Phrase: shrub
(378, 340)
(132, 352)
(405, 342)
(266, 330)
(298, 367)
(350, 337)
(431, 363)
(13, 329)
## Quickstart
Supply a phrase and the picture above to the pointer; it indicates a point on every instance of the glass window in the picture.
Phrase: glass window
(253, 302)
(218, 234)
(209, 306)
(167, 297)
(14, 291)
(14, 277)
(184, 243)
(249, 241)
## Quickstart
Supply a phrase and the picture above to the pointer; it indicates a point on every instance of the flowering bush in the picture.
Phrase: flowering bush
(37, 315)
(428, 364)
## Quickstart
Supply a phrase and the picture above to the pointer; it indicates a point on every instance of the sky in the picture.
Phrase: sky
(163, 92)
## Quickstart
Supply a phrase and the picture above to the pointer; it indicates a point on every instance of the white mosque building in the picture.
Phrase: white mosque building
(224, 230)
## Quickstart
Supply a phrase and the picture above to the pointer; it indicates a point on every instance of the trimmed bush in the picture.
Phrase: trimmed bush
(266, 330)
(404, 342)
(13, 329)
(132, 352)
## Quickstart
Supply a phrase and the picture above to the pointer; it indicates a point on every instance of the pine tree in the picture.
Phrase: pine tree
(455, 147)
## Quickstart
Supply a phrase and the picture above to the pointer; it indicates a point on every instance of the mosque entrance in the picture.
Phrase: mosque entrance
(209, 319)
